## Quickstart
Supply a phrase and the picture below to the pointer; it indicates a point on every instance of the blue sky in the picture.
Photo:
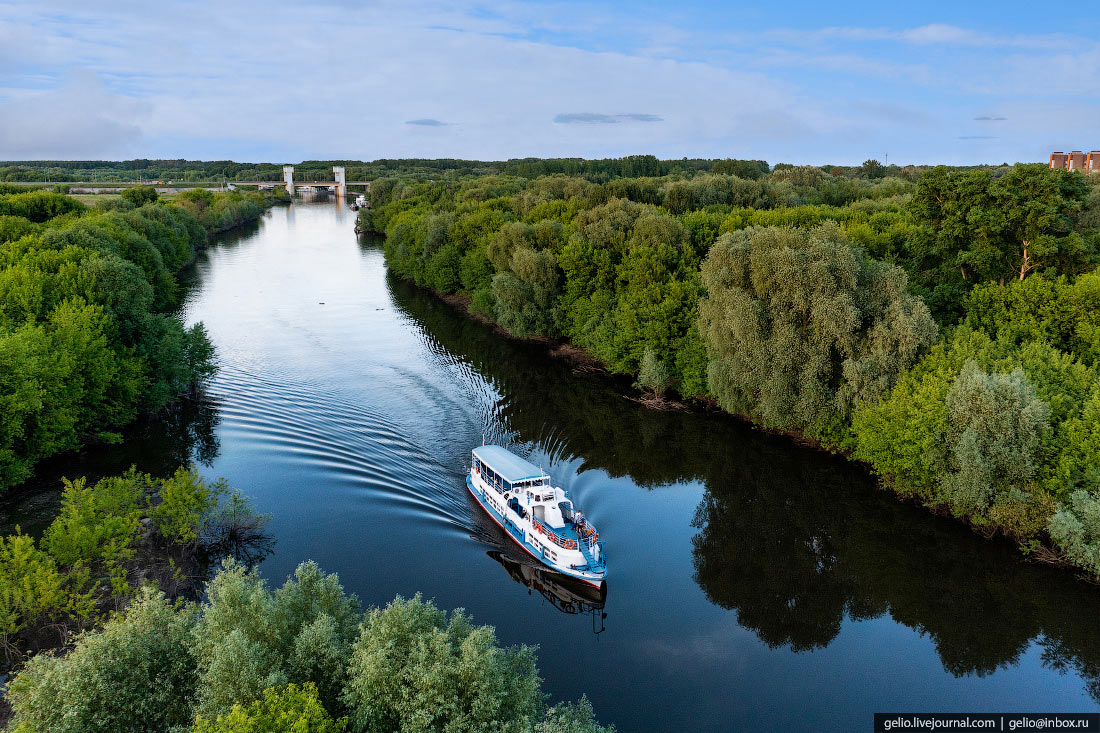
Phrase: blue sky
(801, 82)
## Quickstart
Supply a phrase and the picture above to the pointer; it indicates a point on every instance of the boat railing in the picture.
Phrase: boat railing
(588, 533)
(563, 542)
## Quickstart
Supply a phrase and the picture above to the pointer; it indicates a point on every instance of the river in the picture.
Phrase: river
(753, 583)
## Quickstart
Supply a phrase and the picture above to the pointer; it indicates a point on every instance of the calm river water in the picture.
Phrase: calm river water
(752, 583)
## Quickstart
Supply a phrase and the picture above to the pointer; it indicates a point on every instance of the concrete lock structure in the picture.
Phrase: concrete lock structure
(338, 176)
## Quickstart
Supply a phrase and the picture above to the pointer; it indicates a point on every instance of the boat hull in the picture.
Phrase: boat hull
(515, 534)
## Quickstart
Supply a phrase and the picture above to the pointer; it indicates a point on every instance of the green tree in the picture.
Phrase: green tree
(137, 674)
(872, 169)
(526, 295)
(98, 525)
(33, 591)
(185, 504)
(997, 425)
(801, 326)
(965, 429)
(14, 227)
(140, 195)
(415, 669)
(1062, 313)
(249, 639)
(975, 228)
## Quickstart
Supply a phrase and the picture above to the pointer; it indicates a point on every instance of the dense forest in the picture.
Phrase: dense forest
(88, 334)
(939, 325)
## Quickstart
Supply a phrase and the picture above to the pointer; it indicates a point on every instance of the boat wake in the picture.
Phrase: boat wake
(308, 426)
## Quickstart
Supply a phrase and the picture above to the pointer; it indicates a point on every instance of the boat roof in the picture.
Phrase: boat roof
(511, 467)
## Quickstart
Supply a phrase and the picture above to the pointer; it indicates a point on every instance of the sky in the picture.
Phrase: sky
(961, 82)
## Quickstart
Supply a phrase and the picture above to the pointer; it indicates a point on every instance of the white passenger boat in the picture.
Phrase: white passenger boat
(539, 517)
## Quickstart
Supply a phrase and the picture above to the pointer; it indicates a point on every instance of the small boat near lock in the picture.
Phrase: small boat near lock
(537, 516)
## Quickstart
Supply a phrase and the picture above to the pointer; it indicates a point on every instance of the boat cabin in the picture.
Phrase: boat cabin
(527, 488)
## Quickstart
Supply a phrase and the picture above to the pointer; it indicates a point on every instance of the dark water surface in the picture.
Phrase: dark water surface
(752, 583)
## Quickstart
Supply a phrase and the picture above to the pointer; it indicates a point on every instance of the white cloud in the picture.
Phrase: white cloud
(425, 78)
(79, 119)
(347, 89)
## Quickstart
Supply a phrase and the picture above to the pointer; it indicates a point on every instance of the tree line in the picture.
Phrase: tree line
(88, 336)
(940, 327)
(596, 171)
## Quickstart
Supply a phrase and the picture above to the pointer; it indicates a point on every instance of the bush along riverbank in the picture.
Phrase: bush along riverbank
(303, 657)
(88, 334)
(942, 328)
(109, 540)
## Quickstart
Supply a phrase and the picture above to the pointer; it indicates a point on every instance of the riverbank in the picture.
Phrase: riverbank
(101, 344)
(110, 538)
(1044, 551)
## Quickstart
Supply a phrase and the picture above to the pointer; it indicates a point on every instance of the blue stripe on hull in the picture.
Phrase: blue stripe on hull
(517, 536)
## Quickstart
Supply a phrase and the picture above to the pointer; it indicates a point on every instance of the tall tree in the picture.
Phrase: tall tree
(801, 326)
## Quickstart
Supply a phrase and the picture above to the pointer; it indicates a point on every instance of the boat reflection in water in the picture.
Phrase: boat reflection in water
(565, 594)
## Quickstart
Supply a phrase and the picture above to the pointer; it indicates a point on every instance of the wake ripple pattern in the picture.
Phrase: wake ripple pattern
(341, 441)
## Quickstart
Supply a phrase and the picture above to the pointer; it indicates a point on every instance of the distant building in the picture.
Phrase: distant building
(1077, 161)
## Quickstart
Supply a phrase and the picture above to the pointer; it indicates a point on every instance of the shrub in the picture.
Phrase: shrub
(291, 708)
(1075, 529)
(414, 669)
(186, 502)
(33, 591)
(137, 674)
(653, 375)
(575, 717)
(140, 195)
(98, 525)
(249, 639)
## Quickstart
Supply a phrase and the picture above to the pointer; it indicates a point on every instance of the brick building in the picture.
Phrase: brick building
(1077, 161)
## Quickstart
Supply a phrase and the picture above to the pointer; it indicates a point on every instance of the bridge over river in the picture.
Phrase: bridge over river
(339, 183)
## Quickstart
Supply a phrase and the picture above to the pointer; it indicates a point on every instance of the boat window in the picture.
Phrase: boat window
(566, 510)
